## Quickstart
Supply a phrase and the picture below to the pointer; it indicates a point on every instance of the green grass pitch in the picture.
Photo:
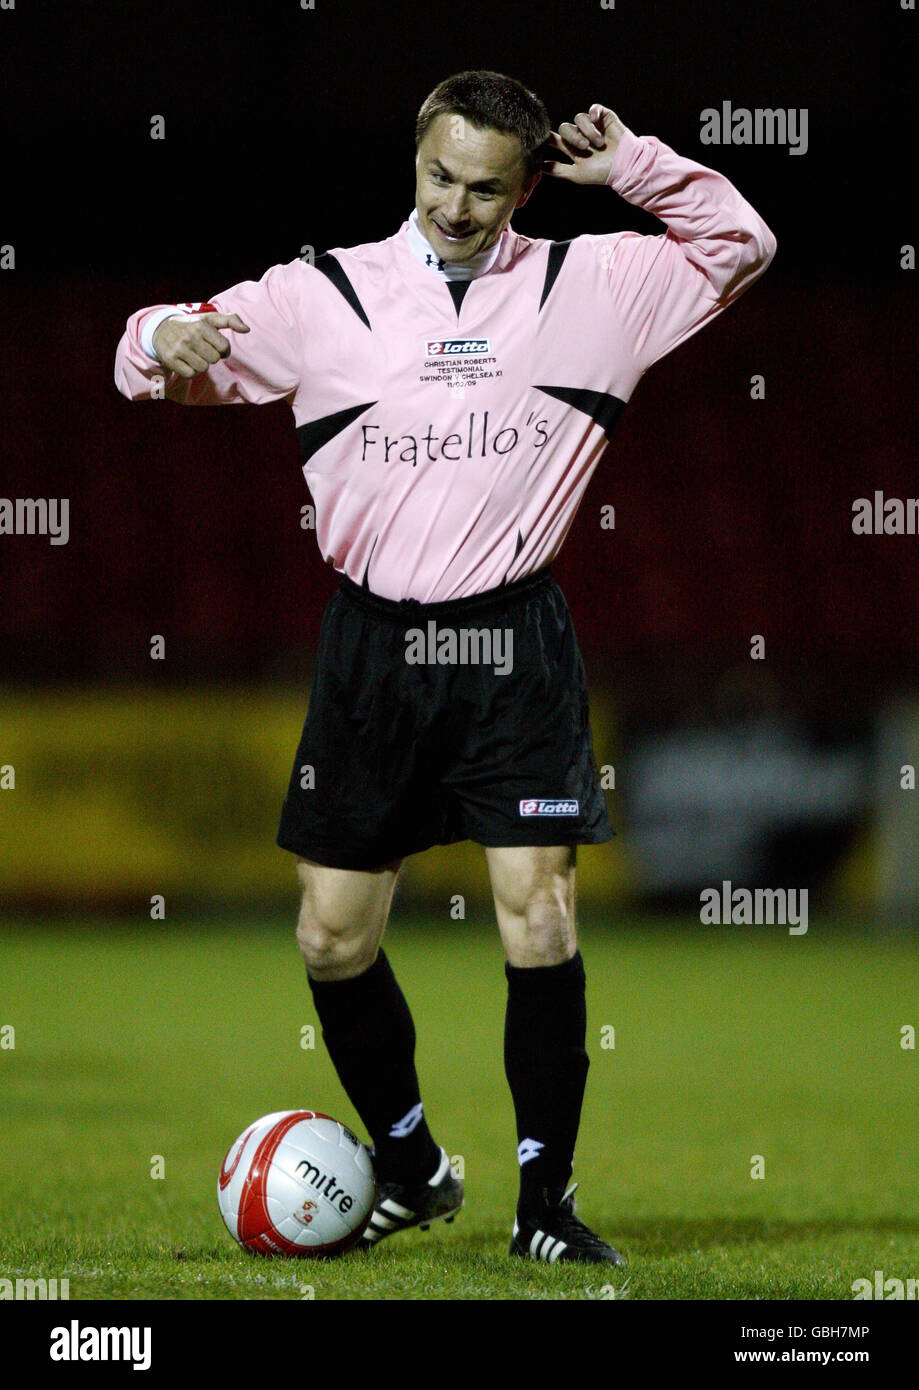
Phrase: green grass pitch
(167, 1039)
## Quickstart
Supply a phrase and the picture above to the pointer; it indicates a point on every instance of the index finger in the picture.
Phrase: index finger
(227, 321)
(557, 143)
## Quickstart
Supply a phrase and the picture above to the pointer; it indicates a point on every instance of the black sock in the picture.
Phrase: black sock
(546, 1063)
(368, 1030)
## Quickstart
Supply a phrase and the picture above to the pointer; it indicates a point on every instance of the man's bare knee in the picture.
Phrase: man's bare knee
(342, 918)
(548, 919)
(334, 949)
(535, 901)
(332, 956)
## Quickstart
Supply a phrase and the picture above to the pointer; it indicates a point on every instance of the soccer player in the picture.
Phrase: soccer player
(453, 388)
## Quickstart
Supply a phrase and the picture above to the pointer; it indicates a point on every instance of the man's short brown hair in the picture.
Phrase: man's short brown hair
(490, 101)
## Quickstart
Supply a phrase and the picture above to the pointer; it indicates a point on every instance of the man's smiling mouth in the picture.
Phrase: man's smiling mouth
(451, 236)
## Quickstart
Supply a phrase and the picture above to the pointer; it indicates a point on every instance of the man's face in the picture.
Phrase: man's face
(468, 182)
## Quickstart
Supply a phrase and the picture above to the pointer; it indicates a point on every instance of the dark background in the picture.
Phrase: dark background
(286, 127)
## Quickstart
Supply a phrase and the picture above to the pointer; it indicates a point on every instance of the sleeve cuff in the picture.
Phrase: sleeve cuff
(151, 324)
(628, 147)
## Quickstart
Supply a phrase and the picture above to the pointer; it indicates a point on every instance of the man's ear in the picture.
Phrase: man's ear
(528, 189)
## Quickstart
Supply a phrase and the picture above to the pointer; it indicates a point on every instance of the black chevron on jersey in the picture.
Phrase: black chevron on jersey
(517, 551)
(557, 253)
(458, 290)
(599, 405)
(332, 269)
(315, 433)
(364, 584)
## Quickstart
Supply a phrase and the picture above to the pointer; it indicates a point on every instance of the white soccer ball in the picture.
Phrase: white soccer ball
(296, 1182)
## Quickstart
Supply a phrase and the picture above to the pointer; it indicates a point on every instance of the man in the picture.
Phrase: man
(453, 388)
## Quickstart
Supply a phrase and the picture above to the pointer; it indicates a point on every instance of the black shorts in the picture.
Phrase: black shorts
(432, 723)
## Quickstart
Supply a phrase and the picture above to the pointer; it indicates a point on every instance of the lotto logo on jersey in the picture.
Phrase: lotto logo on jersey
(200, 307)
(457, 347)
(549, 808)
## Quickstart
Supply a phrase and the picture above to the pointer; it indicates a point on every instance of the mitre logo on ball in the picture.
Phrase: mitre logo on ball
(299, 1183)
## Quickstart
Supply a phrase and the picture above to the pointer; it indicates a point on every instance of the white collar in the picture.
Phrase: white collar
(469, 269)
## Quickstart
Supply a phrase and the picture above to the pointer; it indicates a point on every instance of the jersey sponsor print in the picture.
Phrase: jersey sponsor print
(448, 432)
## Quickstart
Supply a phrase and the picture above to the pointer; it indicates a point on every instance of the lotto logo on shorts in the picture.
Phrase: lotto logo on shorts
(458, 347)
(549, 808)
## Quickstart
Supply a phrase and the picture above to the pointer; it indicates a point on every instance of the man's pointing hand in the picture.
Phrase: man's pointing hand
(190, 343)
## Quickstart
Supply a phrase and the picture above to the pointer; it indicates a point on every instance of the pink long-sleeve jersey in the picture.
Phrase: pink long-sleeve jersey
(447, 437)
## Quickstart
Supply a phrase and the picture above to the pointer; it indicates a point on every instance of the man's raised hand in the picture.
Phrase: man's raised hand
(189, 344)
(591, 140)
